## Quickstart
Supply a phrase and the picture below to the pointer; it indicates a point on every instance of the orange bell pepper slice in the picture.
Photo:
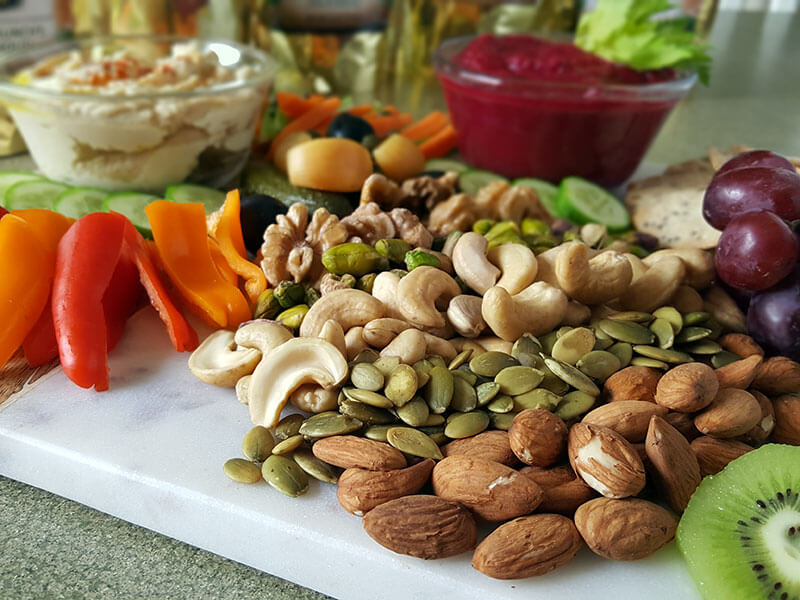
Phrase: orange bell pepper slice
(231, 243)
(179, 232)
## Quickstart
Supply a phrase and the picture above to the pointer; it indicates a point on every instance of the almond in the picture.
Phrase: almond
(629, 418)
(674, 464)
(537, 437)
(563, 490)
(733, 412)
(605, 460)
(491, 445)
(739, 374)
(493, 491)
(741, 345)
(687, 388)
(763, 429)
(360, 490)
(549, 477)
(627, 529)
(787, 420)
(713, 455)
(683, 422)
(527, 546)
(778, 375)
(349, 451)
(422, 526)
(632, 383)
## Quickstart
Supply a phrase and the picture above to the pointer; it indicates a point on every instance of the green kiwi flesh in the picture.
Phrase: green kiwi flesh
(740, 534)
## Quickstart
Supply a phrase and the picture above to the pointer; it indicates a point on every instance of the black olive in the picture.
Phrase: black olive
(434, 173)
(349, 126)
(258, 211)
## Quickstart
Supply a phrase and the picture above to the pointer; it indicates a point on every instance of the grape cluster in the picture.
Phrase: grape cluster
(754, 199)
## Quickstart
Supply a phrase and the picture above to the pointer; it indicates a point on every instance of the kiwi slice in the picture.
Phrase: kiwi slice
(740, 534)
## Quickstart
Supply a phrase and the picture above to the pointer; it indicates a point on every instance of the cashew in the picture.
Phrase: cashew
(439, 347)
(349, 308)
(518, 266)
(491, 343)
(699, 265)
(384, 288)
(471, 264)
(354, 342)
(464, 313)
(293, 363)
(537, 310)
(546, 262)
(218, 361)
(591, 280)
(420, 291)
(656, 286)
(380, 332)
(312, 398)
(687, 299)
(638, 268)
(409, 346)
(242, 387)
(262, 335)
(332, 332)
(450, 243)
(577, 314)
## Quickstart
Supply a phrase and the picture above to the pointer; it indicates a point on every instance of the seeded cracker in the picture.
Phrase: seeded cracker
(670, 205)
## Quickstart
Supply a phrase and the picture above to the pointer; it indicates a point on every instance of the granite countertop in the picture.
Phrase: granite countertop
(55, 548)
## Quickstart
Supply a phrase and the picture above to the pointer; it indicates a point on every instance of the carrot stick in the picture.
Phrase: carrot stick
(322, 128)
(294, 105)
(427, 126)
(360, 110)
(383, 125)
(306, 121)
(439, 144)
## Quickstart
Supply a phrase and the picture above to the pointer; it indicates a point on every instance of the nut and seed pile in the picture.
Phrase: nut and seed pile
(566, 387)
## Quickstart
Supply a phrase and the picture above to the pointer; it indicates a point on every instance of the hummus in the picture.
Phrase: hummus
(123, 122)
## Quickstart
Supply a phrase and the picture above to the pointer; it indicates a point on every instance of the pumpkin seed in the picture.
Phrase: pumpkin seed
(527, 344)
(547, 341)
(329, 423)
(702, 347)
(692, 334)
(643, 361)
(553, 383)
(502, 421)
(489, 364)
(289, 426)
(574, 405)
(377, 432)
(401, 385)
(724, 358)
(573, 376)
(285, 475)
(315, 467)
(599, 364)
(538, 398)
(436, 434)
(368, 355)
(365, 413)
(599, 334)
(413, 442)
(467, 424)
(414, 413)
(465, 398)
(664, 333)
(257, 444)
(423, 369)
(439, 391)
(623, 351)
(460, 373)
(288, 445)
(518, 380)
(627, 331)
(667, 356)
(486, 392)
(386, 364)
(434, 420)
(632, 315)
(460, 359)
(695, 318)
(602, 344)
(436, 361)
(242, 471)
(367, 397)
(366, 376)
(670, 314)
(501, 404)
(571, 346)
(716, 328)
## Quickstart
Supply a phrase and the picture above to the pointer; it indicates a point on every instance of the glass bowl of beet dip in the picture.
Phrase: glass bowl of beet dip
(525, 106)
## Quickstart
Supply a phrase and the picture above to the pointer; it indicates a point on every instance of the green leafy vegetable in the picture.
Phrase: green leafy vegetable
(624, 31)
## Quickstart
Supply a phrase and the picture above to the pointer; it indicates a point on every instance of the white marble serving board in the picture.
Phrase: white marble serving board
(150, 451)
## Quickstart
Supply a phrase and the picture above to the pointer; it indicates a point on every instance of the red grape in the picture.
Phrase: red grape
(749, 189)
(773, 318)
(756, 158)
(756, 251)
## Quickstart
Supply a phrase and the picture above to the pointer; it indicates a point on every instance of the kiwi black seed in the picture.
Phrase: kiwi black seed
(740, 534)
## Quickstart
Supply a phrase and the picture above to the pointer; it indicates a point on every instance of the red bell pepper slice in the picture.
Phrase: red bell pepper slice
(3, 211)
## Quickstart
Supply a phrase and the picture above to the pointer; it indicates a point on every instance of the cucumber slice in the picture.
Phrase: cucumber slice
(37, 193)
(79, 201)
(188, 192)
(582, 202)
(445, 164)
(547, 192)
(9, 178)
(471, 180)
(131, 204)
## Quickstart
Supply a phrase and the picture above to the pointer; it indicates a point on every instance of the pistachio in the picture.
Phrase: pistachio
(626, 331)
(293, 317)
(366, 376)
(420, 258)
(489, 364)
(242, 471)
(518, 379)
(353, 258)
(464, 398)
(486, 392)
(257, 444)
(571, 346)
(329, 423)
(318, 469)
(366, 282)
(285, 475)
(414, 413)
(413, 442)
(267, 306)
(467, 424)
(367, 397)
(288, 445)
(401, 385)
(394, 249)
(599, 364)
(288, 426)
(574, 405)
(439, 390)
(289, 294)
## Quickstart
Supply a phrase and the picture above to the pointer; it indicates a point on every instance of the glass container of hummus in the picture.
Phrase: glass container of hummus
(137, 112)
